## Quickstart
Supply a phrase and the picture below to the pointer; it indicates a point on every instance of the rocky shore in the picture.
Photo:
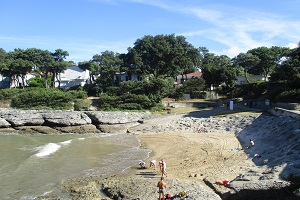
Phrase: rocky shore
(56, 121)
(200, 150)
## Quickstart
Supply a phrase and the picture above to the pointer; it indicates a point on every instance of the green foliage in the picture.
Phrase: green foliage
(164, 55)
(37, 82)
(80, 94)
(131, 93)
(157, 107)
(192, 85)
(292, 96)
(40, 98)
(9, 93)
(92, 90)
(126, 101)
(130, 106)
(81, 104)
(198, 94)
(178, 94)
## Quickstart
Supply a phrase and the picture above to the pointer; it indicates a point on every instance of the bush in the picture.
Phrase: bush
(124, 102)
(80, 94)
(198, 95)
(92, 90)
(39, 82)
(157, 107)
(40, 98)
(80, 104)
(9, 93)
(292, 96)
(130, 106)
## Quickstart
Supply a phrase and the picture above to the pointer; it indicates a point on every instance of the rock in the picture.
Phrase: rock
(36, 130)
(71, 118)
(115, 117)
(82, 129)
(7, 130)
(22, 117)
(4, 123)
(116, 128)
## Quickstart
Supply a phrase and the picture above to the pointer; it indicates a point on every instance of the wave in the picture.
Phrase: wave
(66, 142)
(47, 149)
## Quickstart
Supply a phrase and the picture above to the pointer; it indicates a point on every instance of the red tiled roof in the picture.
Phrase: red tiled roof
(196, 74)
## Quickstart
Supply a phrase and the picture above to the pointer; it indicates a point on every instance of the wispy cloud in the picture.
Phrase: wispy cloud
(235, 28)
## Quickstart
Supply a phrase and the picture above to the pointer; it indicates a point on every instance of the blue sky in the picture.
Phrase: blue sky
(88, 27)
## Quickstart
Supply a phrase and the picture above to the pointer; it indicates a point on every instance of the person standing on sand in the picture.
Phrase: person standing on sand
(162, 167)
(161, 188)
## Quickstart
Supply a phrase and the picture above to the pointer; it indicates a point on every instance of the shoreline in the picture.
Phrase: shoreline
(174, 139)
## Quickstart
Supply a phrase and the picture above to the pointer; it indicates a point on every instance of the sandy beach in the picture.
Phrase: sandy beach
(201, 151)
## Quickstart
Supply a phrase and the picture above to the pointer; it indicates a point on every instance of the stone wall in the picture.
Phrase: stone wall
(287, 113)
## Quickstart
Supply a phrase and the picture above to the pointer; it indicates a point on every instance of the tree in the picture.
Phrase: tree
(43, 62)
(16, 66)
(288, 72)
(130, 63)
(59, 65)
(217, 69)
(269, 59)
(164, 55)
(109, 63)
(93, 67)
(246, 60)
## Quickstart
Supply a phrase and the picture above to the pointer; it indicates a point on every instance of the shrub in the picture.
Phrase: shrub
(80, 94)
(157, 107)
(130, 106)
(80, 104)
(92, 90)
(292, 96)
(198, 95)
(40, 98)
(9, 93)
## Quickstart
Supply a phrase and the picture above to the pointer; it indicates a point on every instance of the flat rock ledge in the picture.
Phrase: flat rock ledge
(57, 121)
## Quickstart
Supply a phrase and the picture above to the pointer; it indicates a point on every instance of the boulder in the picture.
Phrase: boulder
(66, 118)
(22, 117)
(116, 128)
(81, 129)
(4, 123)
(115, 117)
(36, 130)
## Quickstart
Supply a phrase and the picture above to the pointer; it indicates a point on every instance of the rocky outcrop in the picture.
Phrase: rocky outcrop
(57, 121)
(115, 117)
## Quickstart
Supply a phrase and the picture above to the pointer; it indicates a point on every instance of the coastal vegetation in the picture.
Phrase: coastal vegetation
(157, 61)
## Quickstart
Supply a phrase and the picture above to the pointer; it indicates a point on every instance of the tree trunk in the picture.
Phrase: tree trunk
(23, 80)
(246, 76)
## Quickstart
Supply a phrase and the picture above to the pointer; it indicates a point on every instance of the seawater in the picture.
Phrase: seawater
(36, 165)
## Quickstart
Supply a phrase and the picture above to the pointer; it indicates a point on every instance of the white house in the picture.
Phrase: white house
(123, 76)
(180, 79)
(241, 79)
(73, 76)
(14, 81)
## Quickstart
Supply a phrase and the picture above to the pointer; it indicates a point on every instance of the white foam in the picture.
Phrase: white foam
(66, 142)
(48, 149)
(81, 138)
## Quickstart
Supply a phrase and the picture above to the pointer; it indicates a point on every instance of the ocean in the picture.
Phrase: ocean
(36, 165)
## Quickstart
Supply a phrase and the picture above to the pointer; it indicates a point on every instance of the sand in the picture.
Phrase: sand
(197, 160)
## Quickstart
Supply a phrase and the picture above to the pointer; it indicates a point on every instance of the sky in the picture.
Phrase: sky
(85, 28)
